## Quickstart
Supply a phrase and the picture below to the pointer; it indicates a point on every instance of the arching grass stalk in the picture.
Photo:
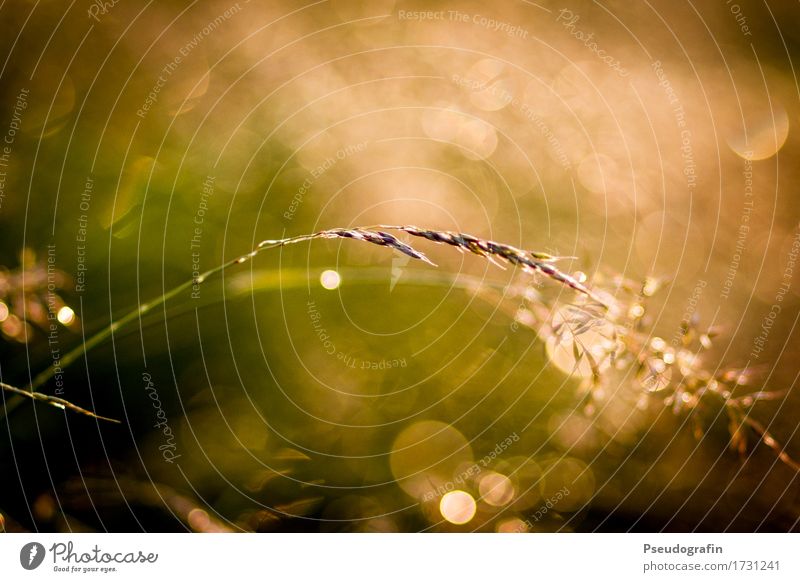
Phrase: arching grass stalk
(533, 262)
(53, 401)
(649, 356)
(530, 261)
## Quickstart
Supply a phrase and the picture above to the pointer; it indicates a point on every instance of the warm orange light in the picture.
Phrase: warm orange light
(458, 507)
(330, 279)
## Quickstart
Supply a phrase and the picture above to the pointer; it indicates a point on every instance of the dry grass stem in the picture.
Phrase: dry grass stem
(619, 327)
(529, 261)
(54, 401)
